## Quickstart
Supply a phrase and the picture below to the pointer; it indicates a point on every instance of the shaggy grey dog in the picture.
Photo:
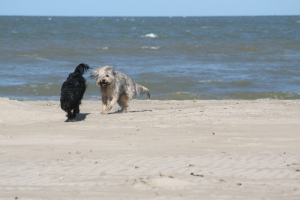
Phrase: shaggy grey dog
(116, 87)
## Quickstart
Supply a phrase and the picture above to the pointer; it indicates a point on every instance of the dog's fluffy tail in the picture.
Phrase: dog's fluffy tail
(82, 68)
(141, 90)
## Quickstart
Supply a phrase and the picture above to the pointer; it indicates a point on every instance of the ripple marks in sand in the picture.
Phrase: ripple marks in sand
(175, 172)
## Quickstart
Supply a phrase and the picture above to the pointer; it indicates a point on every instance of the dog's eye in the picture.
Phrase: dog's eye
(107, 76)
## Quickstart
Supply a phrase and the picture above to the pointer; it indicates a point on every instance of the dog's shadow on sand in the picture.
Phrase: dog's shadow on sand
(133, 111)
(79, 117)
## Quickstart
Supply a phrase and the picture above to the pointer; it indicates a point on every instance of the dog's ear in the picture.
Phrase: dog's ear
(110, 68)
(82, 68)
(95, 73)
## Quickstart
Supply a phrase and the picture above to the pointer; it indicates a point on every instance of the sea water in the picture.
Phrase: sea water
(176, 58)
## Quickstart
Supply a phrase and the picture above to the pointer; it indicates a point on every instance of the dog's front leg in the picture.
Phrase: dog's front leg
(111, 104)
(104, 105)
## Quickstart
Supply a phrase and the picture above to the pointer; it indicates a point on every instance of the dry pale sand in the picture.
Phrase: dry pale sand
(158, 150)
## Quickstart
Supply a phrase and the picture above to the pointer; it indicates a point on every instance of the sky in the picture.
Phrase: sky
(149, 7)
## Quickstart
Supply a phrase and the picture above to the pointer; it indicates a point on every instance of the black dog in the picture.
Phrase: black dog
(72, 91)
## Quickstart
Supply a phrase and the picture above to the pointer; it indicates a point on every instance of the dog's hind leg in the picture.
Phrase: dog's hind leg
(76, 110)
(123, 102)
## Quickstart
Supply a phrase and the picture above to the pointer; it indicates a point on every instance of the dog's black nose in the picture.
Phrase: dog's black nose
(103, 81)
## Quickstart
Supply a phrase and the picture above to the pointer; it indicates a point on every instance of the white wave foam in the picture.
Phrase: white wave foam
(210, 81)
(37, 57)
(180, 93)
(153, 48)
(151, 35)
(33, 85)
(102, 48)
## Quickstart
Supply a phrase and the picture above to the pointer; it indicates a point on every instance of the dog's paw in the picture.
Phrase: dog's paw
(71, 120)
(103, 113)
(122, 111)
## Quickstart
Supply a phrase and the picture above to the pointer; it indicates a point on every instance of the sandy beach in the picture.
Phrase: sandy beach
(201, 149)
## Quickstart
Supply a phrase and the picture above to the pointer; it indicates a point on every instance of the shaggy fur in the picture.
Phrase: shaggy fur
(116, 87)
(72, 91)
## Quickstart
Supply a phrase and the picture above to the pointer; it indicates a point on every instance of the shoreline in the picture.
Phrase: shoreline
(178, 149)
(94, 95)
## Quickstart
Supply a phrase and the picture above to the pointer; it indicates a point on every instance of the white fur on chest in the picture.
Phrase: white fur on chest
(109, 92)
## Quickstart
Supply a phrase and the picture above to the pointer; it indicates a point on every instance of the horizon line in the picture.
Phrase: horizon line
(183, 16)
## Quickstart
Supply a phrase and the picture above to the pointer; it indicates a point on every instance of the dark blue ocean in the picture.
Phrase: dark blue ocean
(175, 57)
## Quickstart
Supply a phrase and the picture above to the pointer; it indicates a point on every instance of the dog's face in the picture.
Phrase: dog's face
(65, 104)
(104, 76)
